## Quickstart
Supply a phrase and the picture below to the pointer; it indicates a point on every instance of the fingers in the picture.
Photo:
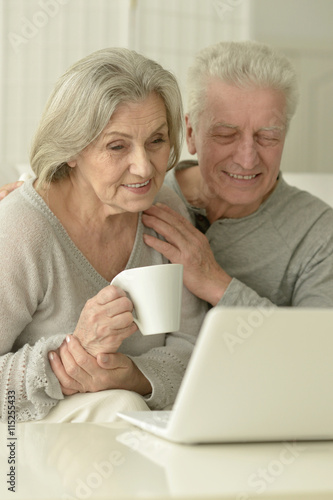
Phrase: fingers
(170, 227)
(183, 240)
(159, 213)
(125, 374)
(77, 361)
(176, 230)
(83, 368)
(68, 385)
(169, 251)
(82, 372)
(111, 293)
(188, 246)
(8, 188)
(103, 338)
(77, 371)
(74, 358)
(105, 321)
(110, 303)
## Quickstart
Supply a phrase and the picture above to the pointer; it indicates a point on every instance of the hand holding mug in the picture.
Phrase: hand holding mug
(105, 321)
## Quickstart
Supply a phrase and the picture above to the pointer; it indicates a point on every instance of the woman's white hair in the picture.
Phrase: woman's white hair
(84, 100)
(243, 64)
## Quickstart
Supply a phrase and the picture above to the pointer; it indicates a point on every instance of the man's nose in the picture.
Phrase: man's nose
(246, 154)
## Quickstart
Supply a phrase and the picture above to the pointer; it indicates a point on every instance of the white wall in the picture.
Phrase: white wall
(303, 30)
(41, 38)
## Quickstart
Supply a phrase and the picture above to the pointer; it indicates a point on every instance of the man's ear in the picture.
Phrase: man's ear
(190, 136)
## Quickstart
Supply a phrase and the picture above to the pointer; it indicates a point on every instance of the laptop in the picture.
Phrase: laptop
(255, 375)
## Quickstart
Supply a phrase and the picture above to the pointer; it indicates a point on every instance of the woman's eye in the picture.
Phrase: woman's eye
(158, 140)
(117, 147)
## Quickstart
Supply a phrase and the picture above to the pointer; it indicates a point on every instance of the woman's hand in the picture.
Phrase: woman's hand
(105, 321)
(78, 371)
(8, 188)
(188, 246)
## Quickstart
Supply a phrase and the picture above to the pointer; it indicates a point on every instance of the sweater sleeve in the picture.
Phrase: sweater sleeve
(314, 275)
(27, 372)
(24, 365)
(308, 278)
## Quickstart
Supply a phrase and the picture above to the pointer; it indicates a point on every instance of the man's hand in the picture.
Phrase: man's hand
(79, 371)
(186, 245)
(8, 188)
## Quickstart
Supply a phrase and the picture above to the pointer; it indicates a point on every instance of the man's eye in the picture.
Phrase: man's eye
(267, 140)
(224, 137)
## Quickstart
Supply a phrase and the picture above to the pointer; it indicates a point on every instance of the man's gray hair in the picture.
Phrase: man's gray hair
(245, 64)
(85, 98)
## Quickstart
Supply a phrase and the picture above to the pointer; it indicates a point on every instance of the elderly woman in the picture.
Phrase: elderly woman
(110, 131)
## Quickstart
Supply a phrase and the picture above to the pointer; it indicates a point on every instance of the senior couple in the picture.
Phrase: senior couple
(101, 202)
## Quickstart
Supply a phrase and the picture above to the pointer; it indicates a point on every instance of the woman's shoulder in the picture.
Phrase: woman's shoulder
(23, 216)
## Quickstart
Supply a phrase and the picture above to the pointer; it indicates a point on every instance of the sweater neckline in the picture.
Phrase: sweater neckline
(39, 203)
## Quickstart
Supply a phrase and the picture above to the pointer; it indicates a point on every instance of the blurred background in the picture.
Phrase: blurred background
(40, 39)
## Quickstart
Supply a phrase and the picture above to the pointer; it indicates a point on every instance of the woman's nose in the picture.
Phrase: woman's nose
(140, 163)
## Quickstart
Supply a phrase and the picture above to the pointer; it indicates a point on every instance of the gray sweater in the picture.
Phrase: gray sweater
(282, 254)
(45, 282)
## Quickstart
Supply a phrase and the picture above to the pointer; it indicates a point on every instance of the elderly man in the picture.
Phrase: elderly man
(258, 242)
(262, 242)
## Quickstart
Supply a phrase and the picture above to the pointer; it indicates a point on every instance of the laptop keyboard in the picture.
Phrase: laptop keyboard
(160, 418)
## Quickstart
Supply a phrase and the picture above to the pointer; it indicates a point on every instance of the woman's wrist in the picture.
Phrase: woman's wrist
(141, 384)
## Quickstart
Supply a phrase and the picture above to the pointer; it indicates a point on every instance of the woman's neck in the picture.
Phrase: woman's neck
(68, 203)
(106, 240)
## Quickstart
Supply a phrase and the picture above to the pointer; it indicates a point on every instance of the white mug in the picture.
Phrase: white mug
(156, 293)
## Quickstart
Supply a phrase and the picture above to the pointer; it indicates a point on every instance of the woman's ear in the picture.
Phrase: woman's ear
(190, 136)
(71, 163)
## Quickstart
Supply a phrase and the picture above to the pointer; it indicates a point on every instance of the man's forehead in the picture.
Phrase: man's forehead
(220, 95)
(238, 117)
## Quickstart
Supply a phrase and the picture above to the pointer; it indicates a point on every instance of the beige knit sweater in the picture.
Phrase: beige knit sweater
(45, 282)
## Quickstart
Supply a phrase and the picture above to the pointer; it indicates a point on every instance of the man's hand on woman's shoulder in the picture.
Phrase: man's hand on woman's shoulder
(8, 188)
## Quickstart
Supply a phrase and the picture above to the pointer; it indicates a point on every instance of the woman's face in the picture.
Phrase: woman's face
(124, 167)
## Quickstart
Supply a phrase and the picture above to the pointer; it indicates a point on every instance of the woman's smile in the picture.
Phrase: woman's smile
(139, 188)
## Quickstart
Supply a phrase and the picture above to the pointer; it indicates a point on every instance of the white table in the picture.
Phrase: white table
(116, 461)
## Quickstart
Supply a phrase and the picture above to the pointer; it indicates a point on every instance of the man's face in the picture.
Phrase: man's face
(239, 141)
